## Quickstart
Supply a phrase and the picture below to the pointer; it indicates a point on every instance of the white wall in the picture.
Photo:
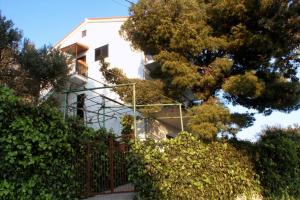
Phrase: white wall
(100, 32)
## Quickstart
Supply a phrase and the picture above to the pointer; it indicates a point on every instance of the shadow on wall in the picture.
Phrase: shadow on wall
(141, 69)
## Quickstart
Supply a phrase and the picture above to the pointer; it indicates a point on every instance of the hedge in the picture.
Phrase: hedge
(187, 168)
(44, 157)
(36, 154)
(278, 163)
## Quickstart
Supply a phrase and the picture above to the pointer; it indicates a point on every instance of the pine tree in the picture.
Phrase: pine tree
(246, 50)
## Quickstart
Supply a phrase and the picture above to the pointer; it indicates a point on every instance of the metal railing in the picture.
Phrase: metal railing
(101, 167)
(81, 68)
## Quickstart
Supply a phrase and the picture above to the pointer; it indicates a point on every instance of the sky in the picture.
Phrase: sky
(45, 22)
(48, 21)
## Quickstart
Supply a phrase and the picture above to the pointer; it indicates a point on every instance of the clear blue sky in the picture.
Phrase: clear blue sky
(48, 21)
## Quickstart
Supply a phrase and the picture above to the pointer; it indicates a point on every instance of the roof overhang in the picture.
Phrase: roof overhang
(75, 48)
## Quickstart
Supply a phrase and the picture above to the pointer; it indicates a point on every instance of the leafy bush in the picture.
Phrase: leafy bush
(186, 168)
(43, 157)
(36, 154)
(278, 163)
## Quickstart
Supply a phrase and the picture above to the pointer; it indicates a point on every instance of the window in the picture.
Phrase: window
(83, 33)
(80, 106)
(101, 52)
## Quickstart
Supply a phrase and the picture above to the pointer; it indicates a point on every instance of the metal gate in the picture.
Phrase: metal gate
(101, 167)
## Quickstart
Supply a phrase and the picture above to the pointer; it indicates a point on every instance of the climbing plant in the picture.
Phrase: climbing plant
(187, 168)
(36, 154)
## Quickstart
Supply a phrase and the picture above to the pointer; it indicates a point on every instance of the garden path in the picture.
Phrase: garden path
(117, 196)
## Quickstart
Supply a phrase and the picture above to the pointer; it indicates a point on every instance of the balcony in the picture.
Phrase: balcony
(75, 49)
(80, 73)
(79, 68)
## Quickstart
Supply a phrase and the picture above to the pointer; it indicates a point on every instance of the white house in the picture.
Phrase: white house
(87, 43)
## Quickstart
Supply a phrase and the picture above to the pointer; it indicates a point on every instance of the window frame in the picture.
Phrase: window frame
(101, 52)
(83, 33)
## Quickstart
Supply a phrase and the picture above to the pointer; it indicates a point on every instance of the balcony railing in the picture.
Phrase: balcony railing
(81, 68)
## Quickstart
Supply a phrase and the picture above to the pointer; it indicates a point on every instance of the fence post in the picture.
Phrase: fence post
(134, 111)
(111, 164)
(66, 106)
(181, 120)
(89, 169)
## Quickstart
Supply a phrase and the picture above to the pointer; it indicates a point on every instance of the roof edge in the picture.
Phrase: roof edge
(92, 20)
(106, 18)
(70, 33)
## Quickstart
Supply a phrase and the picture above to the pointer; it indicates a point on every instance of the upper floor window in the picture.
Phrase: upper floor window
(83, 33)
(101, 52)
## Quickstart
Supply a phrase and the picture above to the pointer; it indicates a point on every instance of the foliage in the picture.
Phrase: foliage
(9, 43)
(44, 157)
(211, 118)
(36, 155)
(246, 48)
(278, 163)
(208, 120)
(127, 122)
(46, 69)
(82, 134)
(147, 91)
(247, 85)
(26, 69)
(187, 168)
(9, 36)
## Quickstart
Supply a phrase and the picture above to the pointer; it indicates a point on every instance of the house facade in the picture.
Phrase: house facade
(88, 98)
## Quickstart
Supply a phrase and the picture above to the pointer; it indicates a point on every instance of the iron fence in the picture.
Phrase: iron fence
(101, 167)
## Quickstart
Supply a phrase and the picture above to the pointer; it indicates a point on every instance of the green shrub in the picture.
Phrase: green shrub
(278, 163)
(186, 168)
(36, 154)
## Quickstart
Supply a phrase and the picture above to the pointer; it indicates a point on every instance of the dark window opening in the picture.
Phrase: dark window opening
(83, 33)
(101, 52)
(80, 106)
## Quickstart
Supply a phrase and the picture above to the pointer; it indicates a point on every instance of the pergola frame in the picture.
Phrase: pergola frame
(121, 106)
